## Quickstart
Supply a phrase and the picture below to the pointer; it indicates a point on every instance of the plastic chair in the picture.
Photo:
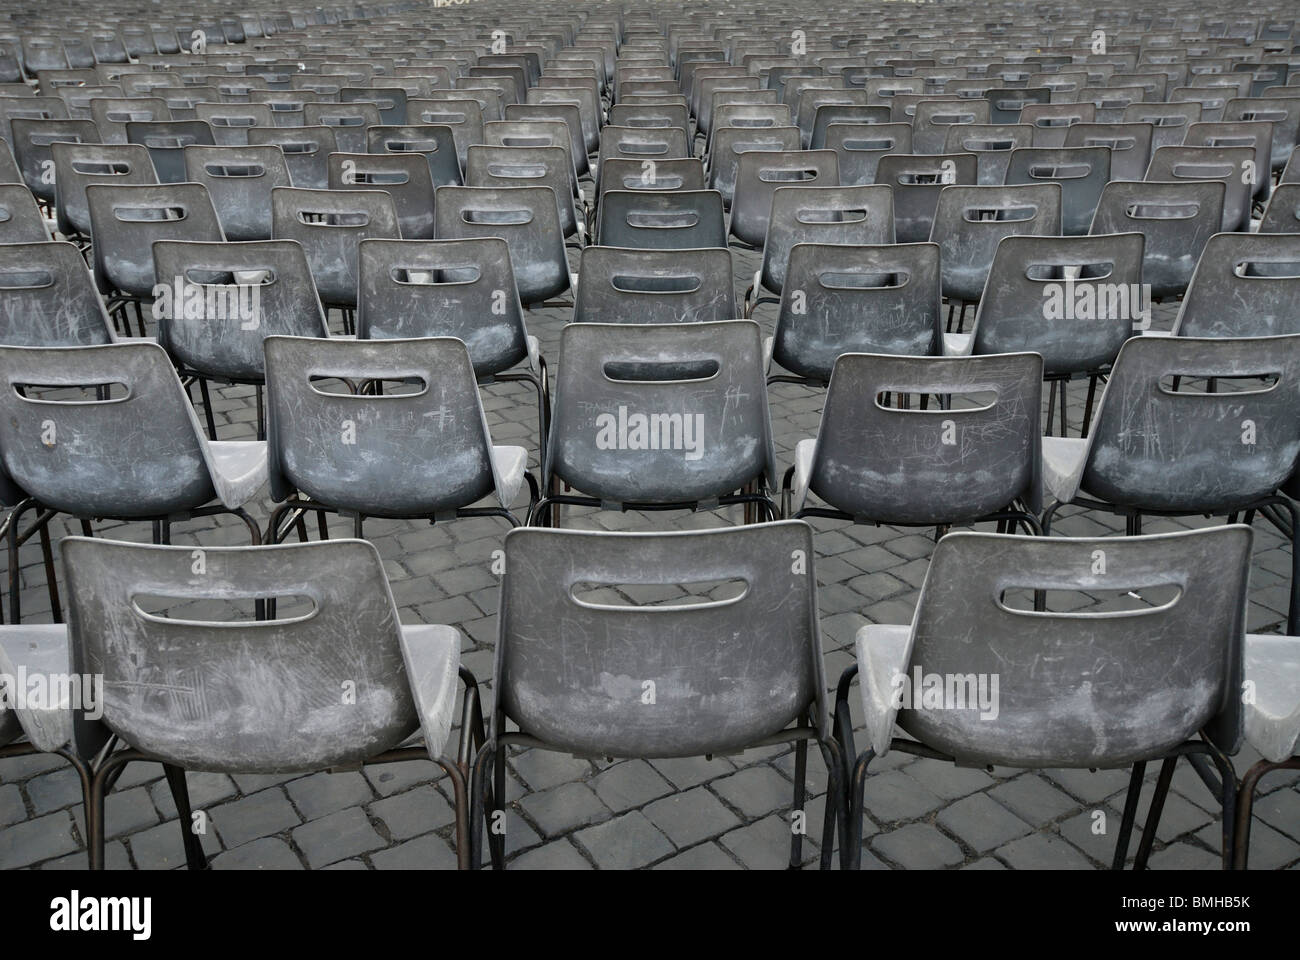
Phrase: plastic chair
(1142, 706)
(436, 142)
(1282, 215)
(223, 675)
(1129, 143)
(655, 286)
(1082, 173)
(20, 218)
(111, 114)
(859, 147)
(916, 181)
(306, 152)
(166, 141)
(758, 175)
(672, 220)
(1244, 285)
(239, 180)
(1232, 165)
(47, 297)
(31, 140)
(403, 176)
(715, 698)
(992, 145)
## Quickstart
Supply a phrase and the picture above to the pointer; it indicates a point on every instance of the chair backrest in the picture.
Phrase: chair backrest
(1232, 165)
(390, 101)
(403, 176)
(527, 218)
(1244, 285)
(566, 113)
(1073, 300)
(666, 413)
(77, 165)
(166, 141)
(970, 221)
(1052, 121)
(243, 696)
(47, 297)
(1282, 215)
(111, 114)
(682, 174)
(710, 696)
(230, 122)
(222, 299)
(859, 147)
(861, 215)
(329, 224)
(510, 167)
(92, 457)
(587, 102)
(857, 299)
(758, 175)
(1082, 172)
(126, 219)
(974, 456)
(668, 220)
(1005, 103)
(1129, 143)
(436, 141)
(21, 220)
(239, 180)
(1196, 451)
(655, 286)
(31, 140)
(1169, 121)
(348, 121)
(1255, 134)
(991, 144)
(1097, 688)
(463, 115)
(1175, 218)
(729, 144)
(933, 118)
(855, 114)
(443, 288)
(1283, 113)
(916, 181)
(418, 452)
(306, 152)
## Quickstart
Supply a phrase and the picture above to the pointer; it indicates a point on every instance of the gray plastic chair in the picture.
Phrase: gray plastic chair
(1197, 452)
(1052, 121)
(329, 224)
(306, 151)
(111, 114)
(20, 218)
(403, 176)
(1082, 173)
(125, 220)
(1072, 300)
(933, 118)
(1129, 143)
(527, 218)
(349, 122)
(1282, 215)
(710, 697)
(166, 141)
(1232, 165)
(566, 113)
(758, 175)
(1282, 113)
(1244, 285)
(916, 181)
(253, 697)
(463, 116)
(1176, 219)
(977, 458)
(855, 299)
(1075, 689)
(991, 144)
(859, 147)
(859, 216)
(729, 144)
(1257, 135)
(655, 286)
(239, 180)
(77, 165)
(452, 288)
(31, 140)
(662, 220)
(423, 452)
(681, 174)
(853, 114)
(969, 222)
(510, 167)
(68, 455)
(48, 298)
(390, 100)
(249, 291)
(659, 416)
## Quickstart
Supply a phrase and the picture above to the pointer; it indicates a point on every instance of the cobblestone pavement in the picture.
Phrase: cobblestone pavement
(728, 812)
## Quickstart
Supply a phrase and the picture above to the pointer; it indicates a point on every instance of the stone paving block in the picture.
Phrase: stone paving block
(41, 838)
(259, 815)
(1033, 799)
(981, 822)
(1089, 786)
(1280, 810)
(892, 796)
(414, 812)
(1184, 856)
(269, 853)
(624, 843)
(984, 863)
(325, 793)
(918, 846)
(689, 817)
(948, 780)
(429, 852)
(12, 808)
(755, 791)
(560, 855)
(1040, 851)
(1083, 829)
(390, 778)
(115, 858)
(337, 836)
(54, 790)
(543, 769)
(687, 772)
(629, 783)
(705, 856)
(564, 808)
(1269, 850)
(205, 790)
(163, 847)
(765, 845)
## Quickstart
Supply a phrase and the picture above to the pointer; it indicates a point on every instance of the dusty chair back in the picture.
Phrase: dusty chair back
(660, 413)
(725, 673)
(1083, 689)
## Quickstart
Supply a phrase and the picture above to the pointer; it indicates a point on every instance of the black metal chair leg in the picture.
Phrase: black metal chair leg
(208, 415)
(797, 805)
(1130, 814)
(194, 855)
(1154, 812)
